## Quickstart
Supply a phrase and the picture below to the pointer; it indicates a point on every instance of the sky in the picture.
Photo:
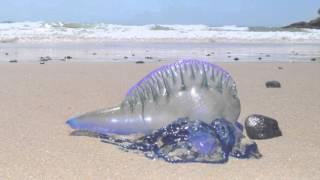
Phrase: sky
(138, 12)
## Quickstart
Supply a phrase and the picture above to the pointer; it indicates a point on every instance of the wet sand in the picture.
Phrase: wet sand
(36, 100)
(155, 51)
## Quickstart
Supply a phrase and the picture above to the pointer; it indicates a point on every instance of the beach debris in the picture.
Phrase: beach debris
(236, 59)
(273, 84)
(261, 127)
(313, 59)
(13, 61)
(148, 57)
(139, 62)
(42, 62)
(47, 58)
(67, 57)
(181, 112)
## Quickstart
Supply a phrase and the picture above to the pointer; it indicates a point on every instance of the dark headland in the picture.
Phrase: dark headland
(313, 24)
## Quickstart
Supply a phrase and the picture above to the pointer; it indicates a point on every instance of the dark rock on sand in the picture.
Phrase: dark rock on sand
(313, 59)
(47, 58)
(280, 68)
(273, 84)
(260, 58)
(261, 127)
(148, 57)
(208, 54)
(125, 57)
(94, 54)
(268, 55)
(139, 62)
(236, 59)
(13, 61)
(67, 57)
(6, 54)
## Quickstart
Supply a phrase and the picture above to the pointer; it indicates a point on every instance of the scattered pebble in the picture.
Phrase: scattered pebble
(261, 127)
(47, 58)
(94, 53)
(236, 59)
(13, 61)
(313, 59)
(268, 55)
(42, 62)
(229, 56)
(280, 68)
(132, 54)
(273, 84)
(260, 58)
(125, 57)
(212, 53)
(139, 62)
(148, 57)
(208, 54)
(228, 52)
(6, 54)
(67, 57)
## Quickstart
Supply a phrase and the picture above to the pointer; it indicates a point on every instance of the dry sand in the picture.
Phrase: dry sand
(36, 100)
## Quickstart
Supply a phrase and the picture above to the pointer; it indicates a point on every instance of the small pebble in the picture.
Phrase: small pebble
(261, 127)
(125, 57)
(139, 62)
(94, 53)
(236, 59)
(268, 55)
(208, 54)
(273, 84)
(132, 54)
(13, 61)
(6, 54)
(280, 68)
(68, 57)
(313, 59)
(148, 57)
(259, 58)
(47, 58)
(42, 62)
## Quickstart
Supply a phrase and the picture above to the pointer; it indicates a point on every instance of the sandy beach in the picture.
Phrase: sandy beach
(36, 100)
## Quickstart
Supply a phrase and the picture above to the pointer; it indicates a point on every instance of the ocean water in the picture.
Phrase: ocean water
(59, 31)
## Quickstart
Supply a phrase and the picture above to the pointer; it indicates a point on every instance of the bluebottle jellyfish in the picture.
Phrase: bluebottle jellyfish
(181, 112)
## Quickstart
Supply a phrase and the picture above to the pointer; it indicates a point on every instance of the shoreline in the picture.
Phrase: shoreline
(124, 51)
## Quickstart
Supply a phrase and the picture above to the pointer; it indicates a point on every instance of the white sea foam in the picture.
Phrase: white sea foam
(58, 31)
